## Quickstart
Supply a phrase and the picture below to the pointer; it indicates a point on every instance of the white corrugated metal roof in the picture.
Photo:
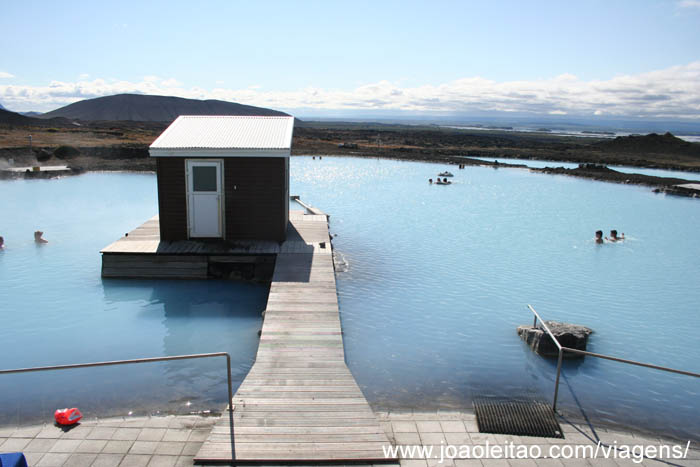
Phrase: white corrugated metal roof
(227, 132)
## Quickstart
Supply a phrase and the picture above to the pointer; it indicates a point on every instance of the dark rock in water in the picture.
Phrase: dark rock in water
(568, 335)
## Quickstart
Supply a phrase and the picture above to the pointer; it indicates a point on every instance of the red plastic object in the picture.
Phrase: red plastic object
(67, 416)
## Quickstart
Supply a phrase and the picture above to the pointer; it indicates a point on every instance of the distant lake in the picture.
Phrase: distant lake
(608, 134)
(620, 168)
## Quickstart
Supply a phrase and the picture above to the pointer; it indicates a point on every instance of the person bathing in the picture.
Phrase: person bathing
(614, 237)
(599, 236)
(38, 237)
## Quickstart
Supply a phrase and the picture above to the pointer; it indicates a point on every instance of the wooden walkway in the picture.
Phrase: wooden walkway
(300, 402)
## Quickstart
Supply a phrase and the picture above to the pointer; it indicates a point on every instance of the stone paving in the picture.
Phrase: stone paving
(442, 428)
(174, 440)
(132, 442)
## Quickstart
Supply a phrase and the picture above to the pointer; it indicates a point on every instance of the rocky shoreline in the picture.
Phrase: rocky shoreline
(403, 143)
(668, 185)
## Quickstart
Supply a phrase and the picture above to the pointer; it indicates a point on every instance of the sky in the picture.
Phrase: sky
(610, 58)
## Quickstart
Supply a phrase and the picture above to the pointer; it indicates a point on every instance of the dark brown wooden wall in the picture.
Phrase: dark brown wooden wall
(255, 198)
(172, 198)
(256, 201)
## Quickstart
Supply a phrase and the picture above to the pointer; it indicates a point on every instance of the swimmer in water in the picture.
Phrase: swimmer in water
(599, 236)
(38, 237)
(430, 180)
(2, 243)
(614, 237)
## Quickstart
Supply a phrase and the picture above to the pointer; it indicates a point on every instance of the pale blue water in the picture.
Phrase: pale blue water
(620, 168)
(438, 279)
(55, 308)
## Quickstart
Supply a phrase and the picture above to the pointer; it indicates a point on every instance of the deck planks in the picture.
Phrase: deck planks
(299, 401)
(146, 239)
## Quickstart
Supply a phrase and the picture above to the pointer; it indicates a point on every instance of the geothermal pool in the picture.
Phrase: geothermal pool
(432, 282)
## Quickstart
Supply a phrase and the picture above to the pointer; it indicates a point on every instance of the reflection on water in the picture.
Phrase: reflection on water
(57, 310)
(144, 319)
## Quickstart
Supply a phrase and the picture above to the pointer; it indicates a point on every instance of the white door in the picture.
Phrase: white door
(204, 191)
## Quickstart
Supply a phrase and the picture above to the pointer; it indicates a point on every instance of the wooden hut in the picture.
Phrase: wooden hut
(224, 177)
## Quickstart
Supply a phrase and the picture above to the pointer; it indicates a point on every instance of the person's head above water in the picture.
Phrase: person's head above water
(599, 236)
(614, 237)
(37, 237)
(2, 242)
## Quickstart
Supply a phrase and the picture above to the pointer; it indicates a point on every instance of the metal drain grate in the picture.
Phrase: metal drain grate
(516, 417)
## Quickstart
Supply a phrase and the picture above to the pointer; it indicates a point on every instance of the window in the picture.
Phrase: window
(204, 178)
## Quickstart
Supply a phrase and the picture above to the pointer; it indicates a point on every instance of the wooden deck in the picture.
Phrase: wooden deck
(141, 254)
(300, 402)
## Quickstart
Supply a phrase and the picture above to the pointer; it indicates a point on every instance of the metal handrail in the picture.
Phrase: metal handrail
(145, 360)
(563, 349)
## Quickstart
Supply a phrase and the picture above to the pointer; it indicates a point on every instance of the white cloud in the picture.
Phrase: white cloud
(170, 83)
(4, 74)
(689, 4)
(672, 93)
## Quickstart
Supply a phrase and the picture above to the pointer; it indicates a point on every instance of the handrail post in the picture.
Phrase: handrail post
(230, 405)
(556, 384)
(592, 354)
(146, 360)
(230, 385)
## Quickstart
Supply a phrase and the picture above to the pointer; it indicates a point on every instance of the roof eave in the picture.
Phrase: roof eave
(219, 152)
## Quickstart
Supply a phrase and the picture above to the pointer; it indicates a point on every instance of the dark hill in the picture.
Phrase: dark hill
(650, 144)
(147, 108)
(15, 119)
(12, 118)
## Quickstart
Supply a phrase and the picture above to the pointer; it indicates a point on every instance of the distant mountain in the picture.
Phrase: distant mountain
(1, 107)
(650, 144)
(31, 114)
(145, 108)
(13, 118)
(16, 119)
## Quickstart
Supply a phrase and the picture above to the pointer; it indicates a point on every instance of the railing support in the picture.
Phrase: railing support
(229, 382)
(556, 384)
(146, 360)
(591, 354)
